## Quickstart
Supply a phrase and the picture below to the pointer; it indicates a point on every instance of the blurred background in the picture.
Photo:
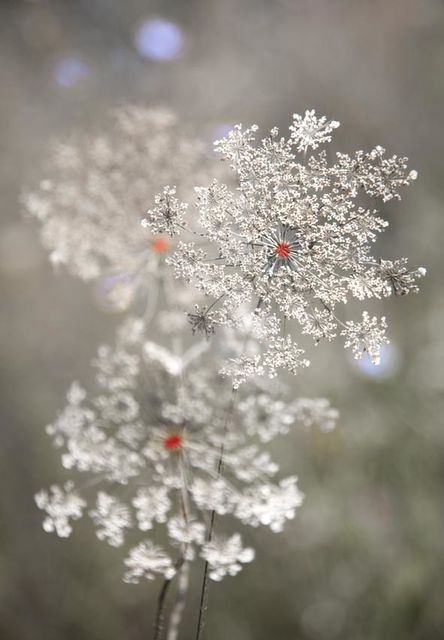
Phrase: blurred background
(364, 559)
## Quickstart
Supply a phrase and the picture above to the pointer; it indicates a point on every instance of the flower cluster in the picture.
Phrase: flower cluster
(162, 443)
(291, 244)
(95, 192)
(148, 441)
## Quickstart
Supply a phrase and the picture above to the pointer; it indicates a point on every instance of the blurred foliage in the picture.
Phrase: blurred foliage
(365, 557)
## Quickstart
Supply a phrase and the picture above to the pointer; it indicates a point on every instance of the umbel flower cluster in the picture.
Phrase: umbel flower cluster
(290, 245)
(148, 442)
(162, 444)
(96, 190)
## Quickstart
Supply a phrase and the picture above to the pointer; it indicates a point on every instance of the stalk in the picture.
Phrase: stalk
(203, 605)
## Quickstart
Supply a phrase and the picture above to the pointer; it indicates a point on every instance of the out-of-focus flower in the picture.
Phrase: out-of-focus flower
(225, 556)
(94, 194)
(61, 504)
(147, 560)
(149, 439)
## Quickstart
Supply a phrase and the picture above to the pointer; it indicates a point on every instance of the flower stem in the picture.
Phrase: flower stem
(179, 605)
(204, 593)
(160, 613)
(158, 625)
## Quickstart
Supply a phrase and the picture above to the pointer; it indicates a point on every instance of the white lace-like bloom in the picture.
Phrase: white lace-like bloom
(152, 505)
(111, 518)
(312, 412)
(268, 418)
(292, 244)
(215, 494)
(272, 505)
(310, 131)
(243, 368)
(147, 560)
(366, 337)
(61, 504)
(225, 556)
(149, 438)
(398, 277)
(93, 197)
(168, 213)
(186, 533)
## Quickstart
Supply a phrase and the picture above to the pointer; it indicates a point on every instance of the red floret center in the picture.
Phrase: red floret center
(282, 250)
(173, 442)
(160, 245)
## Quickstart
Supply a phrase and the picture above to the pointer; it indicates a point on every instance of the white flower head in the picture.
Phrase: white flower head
(61, 504)
(284, 251)
(152, 505)
(148, 560)
(149, 437)
(310, 131)
(168, 214)
(94, 195)
(367, 336)
(225, 556)
(111, 518)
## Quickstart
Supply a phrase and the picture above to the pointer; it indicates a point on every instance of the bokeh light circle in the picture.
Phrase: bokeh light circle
(70, 71)
(159, 39)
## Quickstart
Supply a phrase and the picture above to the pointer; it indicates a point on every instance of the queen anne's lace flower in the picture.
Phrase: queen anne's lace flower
(315, 412)
(61, 504)
(225, 556)
(167, 215)
(272, 505)
(152, 504)
(147, 560)
(163, 444)
(150, 436)
(398, 277)
(291, 244)
(185, 533)
(111, 518)
(366, 337)
(267, 417)
(310, 131)
(94, 196)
